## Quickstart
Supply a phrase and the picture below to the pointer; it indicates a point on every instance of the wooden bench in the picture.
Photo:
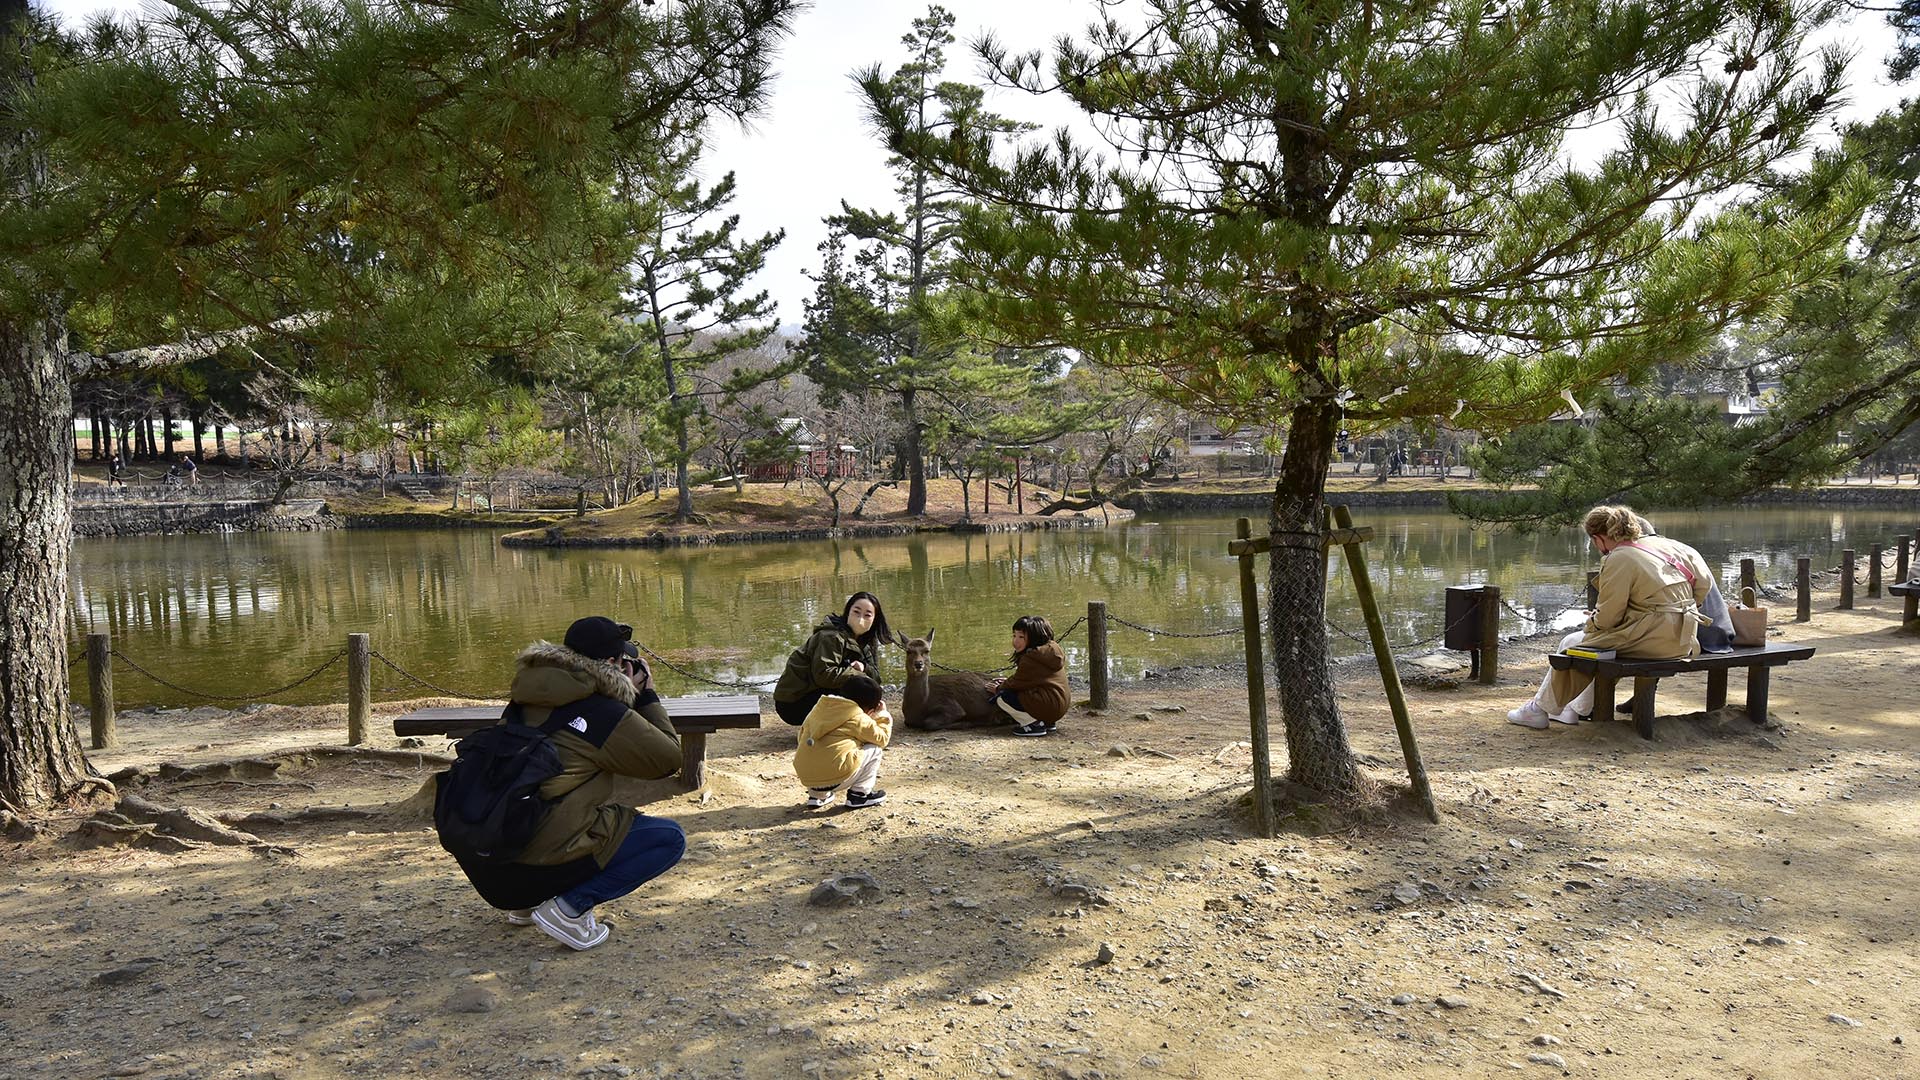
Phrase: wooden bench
(1910, 613)
(694, 718)
(1759, 660)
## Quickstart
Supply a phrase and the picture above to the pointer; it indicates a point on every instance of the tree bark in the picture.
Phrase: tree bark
(1318, 754)
(916, 463)
(40, 757)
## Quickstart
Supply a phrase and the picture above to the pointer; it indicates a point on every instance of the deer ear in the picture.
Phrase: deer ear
(929, 637)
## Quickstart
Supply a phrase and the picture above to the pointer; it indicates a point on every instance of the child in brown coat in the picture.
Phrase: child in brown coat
(1035, 696)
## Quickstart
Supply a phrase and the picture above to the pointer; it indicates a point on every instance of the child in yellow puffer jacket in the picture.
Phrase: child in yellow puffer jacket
(841, 742)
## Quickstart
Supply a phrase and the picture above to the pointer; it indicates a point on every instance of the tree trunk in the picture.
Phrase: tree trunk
(1318, 754)
(683, 507)
(220, 440)
(199, 432)
(916, 463)
(40, 758)
(166, 432)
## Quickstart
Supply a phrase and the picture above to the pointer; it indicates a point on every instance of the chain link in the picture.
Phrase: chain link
(405, 674)
(308, 677)
(747, 686)
(1061, 636)
(1174, 633)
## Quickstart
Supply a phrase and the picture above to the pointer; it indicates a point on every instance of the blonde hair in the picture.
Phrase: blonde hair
(1618, 524)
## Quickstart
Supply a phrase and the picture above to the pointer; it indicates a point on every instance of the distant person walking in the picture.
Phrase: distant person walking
(190, 471)
(115, 467)
(844, 645)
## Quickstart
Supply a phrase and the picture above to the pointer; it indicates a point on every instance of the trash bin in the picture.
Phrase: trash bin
(1464, 619)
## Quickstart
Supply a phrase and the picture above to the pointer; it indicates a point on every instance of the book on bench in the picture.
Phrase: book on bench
(1589, 654)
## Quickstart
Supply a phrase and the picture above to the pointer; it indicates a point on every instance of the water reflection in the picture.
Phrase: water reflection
(236, 613)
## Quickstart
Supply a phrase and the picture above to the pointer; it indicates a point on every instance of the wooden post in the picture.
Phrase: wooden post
(100, 683)
(1389, 674)
(1489, 634)
(359, 687)
(1803, 581)
(1097, 654)
(1846, 579)
(1874, 555)
(1593, 589)
(1748, 577)
(1256, 688)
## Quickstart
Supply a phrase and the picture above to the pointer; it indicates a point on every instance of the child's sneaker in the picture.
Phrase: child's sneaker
(1034, 729)
(858, 799)
(819, 797)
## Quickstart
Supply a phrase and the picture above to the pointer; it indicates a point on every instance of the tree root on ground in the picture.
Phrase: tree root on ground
(135, 822)
(1308, 811)
(268, 766)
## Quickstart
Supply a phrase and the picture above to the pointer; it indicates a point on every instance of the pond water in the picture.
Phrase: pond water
(241, 613)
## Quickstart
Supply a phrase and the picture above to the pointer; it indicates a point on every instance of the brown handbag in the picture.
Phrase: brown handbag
(1749, 621)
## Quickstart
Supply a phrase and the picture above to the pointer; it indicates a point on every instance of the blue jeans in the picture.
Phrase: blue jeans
(652, 846)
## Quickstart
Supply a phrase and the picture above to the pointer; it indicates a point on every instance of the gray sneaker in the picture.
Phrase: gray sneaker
(573, 931)
(520, 916)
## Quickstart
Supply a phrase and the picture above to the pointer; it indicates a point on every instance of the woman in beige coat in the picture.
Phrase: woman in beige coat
(1650, 590)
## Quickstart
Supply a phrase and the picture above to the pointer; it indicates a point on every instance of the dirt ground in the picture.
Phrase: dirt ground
(1724, 901)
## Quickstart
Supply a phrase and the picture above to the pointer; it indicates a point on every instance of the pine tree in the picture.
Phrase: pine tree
(686, 287)
(1843, 353)
(410, 187)
(1357, 214)
(874, 324)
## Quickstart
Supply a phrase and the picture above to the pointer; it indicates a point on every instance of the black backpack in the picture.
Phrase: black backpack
(488, 806)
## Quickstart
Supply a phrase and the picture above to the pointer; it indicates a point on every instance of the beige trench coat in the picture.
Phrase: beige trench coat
(1648, 609)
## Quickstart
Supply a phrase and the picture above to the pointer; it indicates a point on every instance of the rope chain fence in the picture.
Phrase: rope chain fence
(190, 692)
(737, 684)
(1061, 636)
(428, 683)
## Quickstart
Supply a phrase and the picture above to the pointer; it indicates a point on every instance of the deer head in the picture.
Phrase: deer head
(919, 653)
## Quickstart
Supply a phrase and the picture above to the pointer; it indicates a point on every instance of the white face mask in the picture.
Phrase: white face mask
(860, 617)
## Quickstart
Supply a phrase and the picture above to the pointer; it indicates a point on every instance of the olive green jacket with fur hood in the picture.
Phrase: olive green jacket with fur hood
(823, 663)
(585, 820)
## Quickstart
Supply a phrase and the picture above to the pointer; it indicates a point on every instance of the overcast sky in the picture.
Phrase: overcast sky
(812, 149)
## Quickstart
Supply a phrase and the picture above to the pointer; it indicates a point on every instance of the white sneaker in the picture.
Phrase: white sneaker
(1567, 716)
(819, 797)
(573, 931)
(1529, 715)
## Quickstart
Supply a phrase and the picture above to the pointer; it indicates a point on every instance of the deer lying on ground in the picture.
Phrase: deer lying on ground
(935, 702)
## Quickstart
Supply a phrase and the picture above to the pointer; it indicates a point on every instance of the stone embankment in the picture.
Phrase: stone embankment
(202, 516)
(560, 537)
(1166, 501)
(1150, 501)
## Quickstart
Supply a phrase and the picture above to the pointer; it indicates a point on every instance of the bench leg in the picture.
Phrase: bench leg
(1643, 688)
(693, 759)
(1716, 688)
(1603, 697)
(1757, 693)
(1910, 613)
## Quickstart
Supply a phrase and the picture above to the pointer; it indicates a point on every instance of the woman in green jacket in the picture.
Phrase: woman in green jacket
(846, 644)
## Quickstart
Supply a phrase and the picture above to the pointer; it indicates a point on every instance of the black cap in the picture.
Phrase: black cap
(597, 637)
